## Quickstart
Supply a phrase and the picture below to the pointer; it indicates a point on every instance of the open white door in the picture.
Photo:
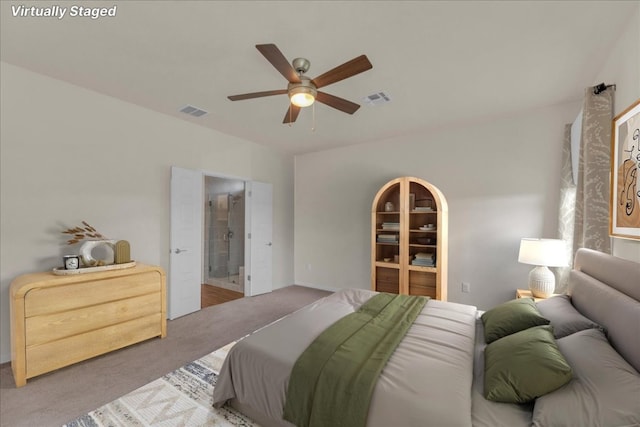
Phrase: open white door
(258, 252)
(185, 261)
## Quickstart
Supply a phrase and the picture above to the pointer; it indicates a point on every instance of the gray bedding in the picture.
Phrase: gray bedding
(435, 359)
(435, 377)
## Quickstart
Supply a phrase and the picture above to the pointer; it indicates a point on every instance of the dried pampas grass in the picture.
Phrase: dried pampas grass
(83, 233)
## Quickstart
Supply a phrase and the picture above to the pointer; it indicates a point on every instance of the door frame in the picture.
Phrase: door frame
(247, 240)
(207, 260)
(202, 225)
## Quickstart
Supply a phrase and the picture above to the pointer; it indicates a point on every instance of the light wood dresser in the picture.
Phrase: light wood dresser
(60, 320)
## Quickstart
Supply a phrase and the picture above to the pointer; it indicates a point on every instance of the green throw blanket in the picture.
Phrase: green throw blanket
(332, 381)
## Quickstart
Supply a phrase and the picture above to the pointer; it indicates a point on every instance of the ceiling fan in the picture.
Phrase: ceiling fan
(302, 90)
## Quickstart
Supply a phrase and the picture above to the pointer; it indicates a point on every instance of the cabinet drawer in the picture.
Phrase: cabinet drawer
(56, 354)
(67, 297)
(424, 291)
(421, 278)
(51, 327)
(388, 280)
(422, 283)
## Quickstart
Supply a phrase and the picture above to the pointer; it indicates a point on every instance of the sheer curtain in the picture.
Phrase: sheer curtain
(583, 220)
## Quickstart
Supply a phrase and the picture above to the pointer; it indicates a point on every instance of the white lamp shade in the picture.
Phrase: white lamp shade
(544, 252)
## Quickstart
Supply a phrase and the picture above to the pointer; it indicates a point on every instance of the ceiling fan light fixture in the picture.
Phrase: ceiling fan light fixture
(301, 90)
(302, 96)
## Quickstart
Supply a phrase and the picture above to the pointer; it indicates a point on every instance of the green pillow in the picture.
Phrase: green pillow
(523, 366)
(511, 317)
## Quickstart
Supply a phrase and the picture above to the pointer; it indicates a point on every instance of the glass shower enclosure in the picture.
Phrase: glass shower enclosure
(225, 231)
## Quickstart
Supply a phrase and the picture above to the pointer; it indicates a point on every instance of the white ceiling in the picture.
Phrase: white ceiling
(441, 62)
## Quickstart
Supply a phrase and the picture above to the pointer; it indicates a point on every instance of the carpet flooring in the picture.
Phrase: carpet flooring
(181, 398)
(58, 397)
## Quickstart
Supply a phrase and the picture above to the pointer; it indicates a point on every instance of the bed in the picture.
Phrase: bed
(436, 375)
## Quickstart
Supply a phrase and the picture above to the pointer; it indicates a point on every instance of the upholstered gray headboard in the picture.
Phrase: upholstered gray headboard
(606, 289)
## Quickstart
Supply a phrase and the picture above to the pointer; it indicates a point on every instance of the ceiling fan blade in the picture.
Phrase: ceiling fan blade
(277, 59)
(257, 94)
(337, 103)
(292, 114)
(341, 72)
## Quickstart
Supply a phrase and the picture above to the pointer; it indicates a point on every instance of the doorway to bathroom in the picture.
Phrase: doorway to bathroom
(198, 241)
(224, 243)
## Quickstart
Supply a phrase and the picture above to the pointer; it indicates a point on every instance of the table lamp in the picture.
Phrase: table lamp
(542, 253)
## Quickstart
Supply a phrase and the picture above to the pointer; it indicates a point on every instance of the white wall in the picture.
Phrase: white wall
(69, 154)
(623, 68)
(500, 180)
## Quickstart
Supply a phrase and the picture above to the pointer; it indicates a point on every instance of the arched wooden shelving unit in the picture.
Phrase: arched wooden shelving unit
(402, 247)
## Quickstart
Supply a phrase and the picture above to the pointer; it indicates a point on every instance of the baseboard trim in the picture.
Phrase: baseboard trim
(322, 288)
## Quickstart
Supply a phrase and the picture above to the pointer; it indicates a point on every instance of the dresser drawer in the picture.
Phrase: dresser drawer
(66, 351)
(51, 327)
(41, 301)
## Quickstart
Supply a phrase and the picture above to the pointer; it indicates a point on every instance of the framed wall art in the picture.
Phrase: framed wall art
(624, 205)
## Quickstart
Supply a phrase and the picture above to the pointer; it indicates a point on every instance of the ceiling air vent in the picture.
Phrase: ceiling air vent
(193, 111)
(377, 99)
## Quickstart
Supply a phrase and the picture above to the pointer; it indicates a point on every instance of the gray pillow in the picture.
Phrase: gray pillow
(605, 390)
(523, 366)
(510, 317)
(564, 317)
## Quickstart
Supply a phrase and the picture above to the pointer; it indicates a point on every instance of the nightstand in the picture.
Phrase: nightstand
(526, 293)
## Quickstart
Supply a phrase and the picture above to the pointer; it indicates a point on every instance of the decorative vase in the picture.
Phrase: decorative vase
(122, 252)
(86, 252)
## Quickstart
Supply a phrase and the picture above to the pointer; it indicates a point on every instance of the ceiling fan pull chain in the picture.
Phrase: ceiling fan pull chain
(313, 117)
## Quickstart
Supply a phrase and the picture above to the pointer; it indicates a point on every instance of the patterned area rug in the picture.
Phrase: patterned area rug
(180, 398)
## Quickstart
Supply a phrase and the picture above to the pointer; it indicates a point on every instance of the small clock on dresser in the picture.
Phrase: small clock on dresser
(71, 262)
